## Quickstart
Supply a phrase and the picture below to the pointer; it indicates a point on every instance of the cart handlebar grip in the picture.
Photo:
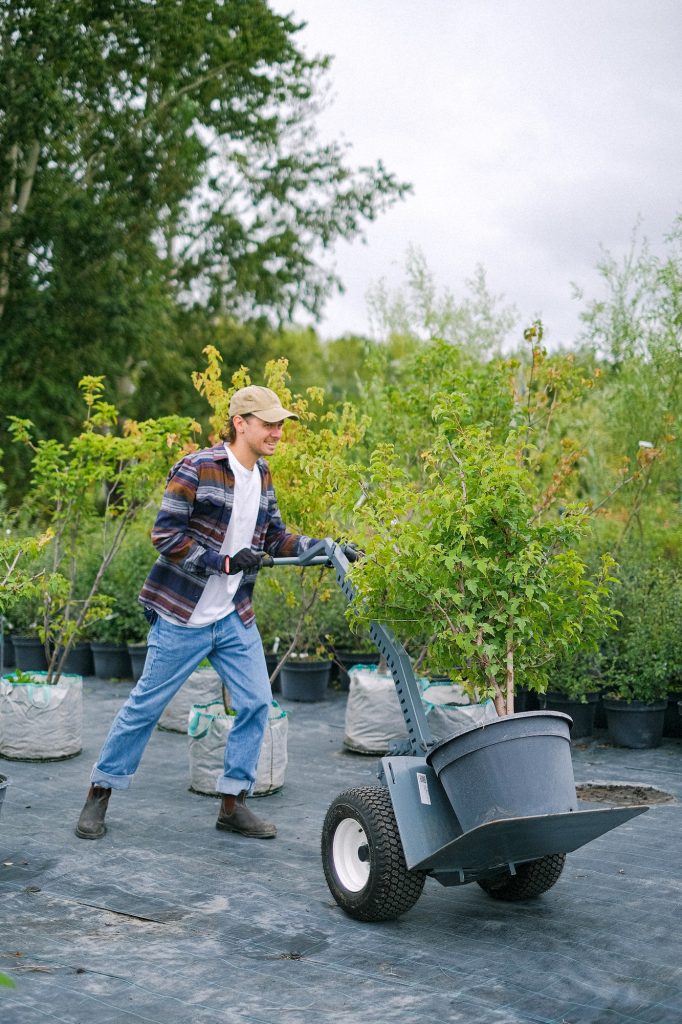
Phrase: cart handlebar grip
(268, 561)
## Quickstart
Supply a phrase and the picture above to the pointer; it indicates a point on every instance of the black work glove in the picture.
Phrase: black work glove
(244, 560)
(352, 551)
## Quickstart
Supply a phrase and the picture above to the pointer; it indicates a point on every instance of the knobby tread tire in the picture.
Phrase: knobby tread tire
(530, 880)
(391, 888)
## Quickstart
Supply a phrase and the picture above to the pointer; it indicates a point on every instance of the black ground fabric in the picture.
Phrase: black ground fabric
(168, 921)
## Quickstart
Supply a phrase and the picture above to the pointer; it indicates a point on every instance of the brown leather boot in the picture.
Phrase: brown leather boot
(235, 816)
(91, 822)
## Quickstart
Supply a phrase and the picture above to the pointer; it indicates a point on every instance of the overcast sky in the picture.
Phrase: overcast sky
(533, 132)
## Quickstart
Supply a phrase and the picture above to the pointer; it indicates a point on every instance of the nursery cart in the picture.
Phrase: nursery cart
(495, 804)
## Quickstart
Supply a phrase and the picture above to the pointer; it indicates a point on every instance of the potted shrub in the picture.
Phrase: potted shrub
(638, 666)
(305, 670)
(27, 646)
(349, 643)
(121, 638)
(473, 552)
(24, 700)
(91, 489)
(469, 558)
(574, 690)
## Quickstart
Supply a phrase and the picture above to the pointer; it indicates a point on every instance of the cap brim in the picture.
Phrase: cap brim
(275, 414)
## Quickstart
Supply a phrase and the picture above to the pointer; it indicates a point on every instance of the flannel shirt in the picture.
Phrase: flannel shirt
(190, 528)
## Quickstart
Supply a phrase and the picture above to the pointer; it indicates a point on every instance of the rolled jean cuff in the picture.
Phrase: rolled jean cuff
(100, 778)
(233, 787)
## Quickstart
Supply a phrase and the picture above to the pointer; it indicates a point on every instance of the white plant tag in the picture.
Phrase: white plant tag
(423, 788)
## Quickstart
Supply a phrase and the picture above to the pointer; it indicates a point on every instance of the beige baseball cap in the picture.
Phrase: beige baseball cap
(260, 402)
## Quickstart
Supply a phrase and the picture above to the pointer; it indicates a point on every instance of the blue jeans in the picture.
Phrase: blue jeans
(236, 654)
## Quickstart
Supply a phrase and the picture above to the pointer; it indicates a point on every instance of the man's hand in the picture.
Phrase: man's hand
(352, 551)
(244, 560)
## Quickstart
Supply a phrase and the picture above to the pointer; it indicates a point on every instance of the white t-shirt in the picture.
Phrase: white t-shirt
(217, 600)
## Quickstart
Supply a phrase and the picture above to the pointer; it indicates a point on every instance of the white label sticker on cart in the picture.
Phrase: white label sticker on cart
(423, 788)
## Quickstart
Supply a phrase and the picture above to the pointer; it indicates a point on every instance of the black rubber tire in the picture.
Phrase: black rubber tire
(391, 888)
(531, 879)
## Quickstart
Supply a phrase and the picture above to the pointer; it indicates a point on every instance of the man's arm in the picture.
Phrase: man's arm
(170, 534)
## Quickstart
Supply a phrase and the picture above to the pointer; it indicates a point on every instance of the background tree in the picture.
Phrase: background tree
(157, 158)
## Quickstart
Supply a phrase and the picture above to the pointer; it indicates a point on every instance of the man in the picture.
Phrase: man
(218, 516)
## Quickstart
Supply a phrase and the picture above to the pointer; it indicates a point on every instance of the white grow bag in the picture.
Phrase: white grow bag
(373, 715)
(442, 703)
(208, 730)
(40, 722)
(203, 687)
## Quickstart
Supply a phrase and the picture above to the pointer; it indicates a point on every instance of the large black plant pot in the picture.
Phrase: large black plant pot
(305, 680)
(513, 767)
(8, 660)
(636, 724)
(112, 661)
(79, 660)
(581, 714)
(29, 654)
(672, 724)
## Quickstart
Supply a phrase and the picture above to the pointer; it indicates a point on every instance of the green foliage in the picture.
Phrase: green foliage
(122, 584)
(89, 493)
(478, 323)
(576, 676)
(643, 658)
(469, 558)
(633, 330)
(157, 159)
(19, 574)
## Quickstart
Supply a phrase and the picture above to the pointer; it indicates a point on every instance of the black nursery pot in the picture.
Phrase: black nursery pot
(29, 654)
(8, 660)
(112, 661)
(79, 660)
(636, 724)
(581, 714)
(305, 680)
(672, 724)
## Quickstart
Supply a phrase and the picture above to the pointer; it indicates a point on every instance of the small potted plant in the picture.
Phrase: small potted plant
(349, 642)
(574, 687)
(305, 665)
(86, 493)
(638, 666)
(474, 556)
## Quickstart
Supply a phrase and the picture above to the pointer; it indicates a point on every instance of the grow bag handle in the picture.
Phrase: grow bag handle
(328, 552)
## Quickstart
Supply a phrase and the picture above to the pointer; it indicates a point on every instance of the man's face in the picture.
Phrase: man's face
(262, 438)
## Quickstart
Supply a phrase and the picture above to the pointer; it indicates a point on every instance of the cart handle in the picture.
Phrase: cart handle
(328, 552)
(268, 561)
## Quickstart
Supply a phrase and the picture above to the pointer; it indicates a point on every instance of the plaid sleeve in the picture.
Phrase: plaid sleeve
(170, 533)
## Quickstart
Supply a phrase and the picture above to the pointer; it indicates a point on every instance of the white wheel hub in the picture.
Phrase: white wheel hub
(350, 853)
